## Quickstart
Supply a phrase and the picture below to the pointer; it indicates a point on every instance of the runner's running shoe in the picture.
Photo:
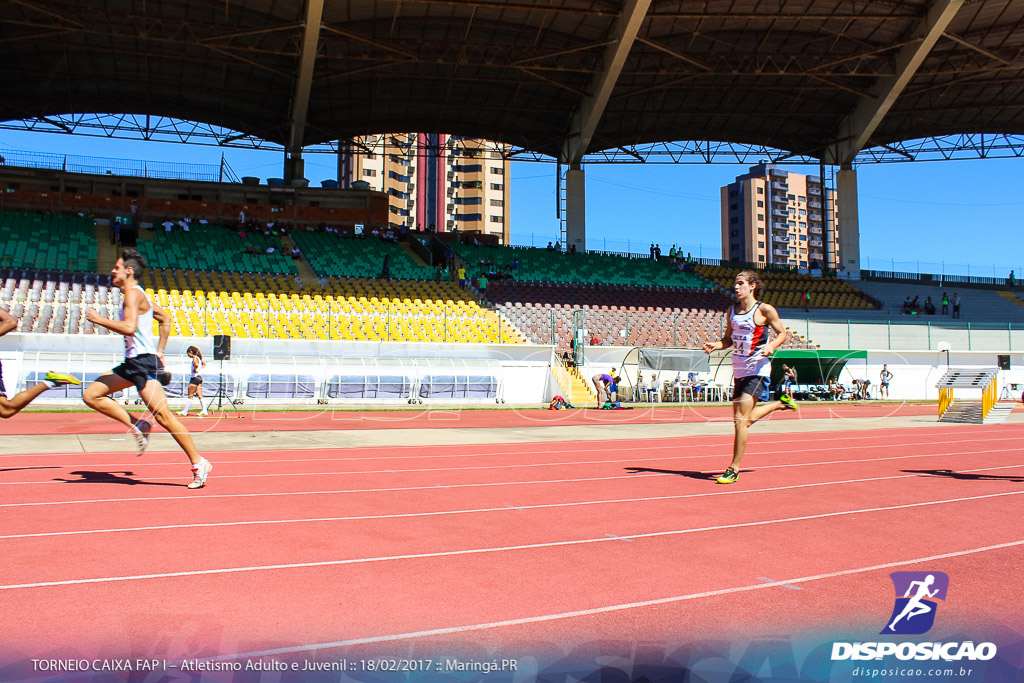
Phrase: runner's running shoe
(141, 432)
(729, 477)
(789, 403)
(199, 474)
(60, 379)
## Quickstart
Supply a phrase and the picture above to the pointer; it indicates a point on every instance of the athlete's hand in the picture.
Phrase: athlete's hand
(709, 347)
(766, 352)
(92, 316)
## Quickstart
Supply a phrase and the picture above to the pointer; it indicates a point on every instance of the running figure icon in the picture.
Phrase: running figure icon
(916, 606)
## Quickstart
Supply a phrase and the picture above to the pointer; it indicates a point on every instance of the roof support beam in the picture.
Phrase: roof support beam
(856, 129)
(304, 82)
(590, 109)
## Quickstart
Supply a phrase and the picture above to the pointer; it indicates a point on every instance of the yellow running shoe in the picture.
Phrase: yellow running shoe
(60, 379)
(729, 477)
(789, 403)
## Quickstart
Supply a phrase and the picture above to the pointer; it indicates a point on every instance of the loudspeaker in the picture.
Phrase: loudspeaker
(222, 347)
(1004, 362)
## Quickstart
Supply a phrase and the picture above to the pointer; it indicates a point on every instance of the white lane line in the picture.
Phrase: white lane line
(506, 508)
(555, 464)
(478, 551)
(607, 608)
(586, 446)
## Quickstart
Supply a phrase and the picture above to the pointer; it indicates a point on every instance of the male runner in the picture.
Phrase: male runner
(9, 407)
(747, 333)
(143, 360)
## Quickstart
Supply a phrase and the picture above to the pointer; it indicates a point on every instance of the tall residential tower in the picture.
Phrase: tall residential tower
(434, 180)
(771, 216)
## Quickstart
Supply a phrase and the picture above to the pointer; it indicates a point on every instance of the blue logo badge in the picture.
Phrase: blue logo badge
(917, 596)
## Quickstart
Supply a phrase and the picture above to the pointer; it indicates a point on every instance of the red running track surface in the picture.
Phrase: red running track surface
(439, 418)
(481, 548)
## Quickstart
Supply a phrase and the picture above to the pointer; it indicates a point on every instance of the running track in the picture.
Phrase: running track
(511, 548)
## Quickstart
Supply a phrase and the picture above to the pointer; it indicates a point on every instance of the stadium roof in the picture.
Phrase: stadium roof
(820, 78)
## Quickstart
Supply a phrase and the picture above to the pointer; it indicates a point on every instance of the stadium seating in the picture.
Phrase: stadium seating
(42, 240)
(616, 316)
(786, 289)
(330, 254)
(217, 248)
(534, 264)
(262, 305)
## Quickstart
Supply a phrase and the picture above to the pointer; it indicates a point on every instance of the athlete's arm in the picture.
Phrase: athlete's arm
(164, 318)
(772, 319)
(7, 322)
(726, 340)
(131, 315)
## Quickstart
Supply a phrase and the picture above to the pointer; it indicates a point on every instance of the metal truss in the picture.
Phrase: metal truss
(166, 129)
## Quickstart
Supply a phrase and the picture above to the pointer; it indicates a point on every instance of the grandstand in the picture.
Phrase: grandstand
(45, 240)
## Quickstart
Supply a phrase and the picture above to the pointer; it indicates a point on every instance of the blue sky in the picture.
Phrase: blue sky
(956, 217)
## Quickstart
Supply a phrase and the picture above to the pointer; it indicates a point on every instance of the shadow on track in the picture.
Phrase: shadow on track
(952, 474)
(112, 478)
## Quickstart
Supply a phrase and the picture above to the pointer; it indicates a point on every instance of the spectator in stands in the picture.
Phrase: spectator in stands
(956, 305)
(11, 406)
(806, 300)
(595, 341)
(945, 304)
(929, 307)
(638, 393)
(462, 277)
(271, 250)
(652, 250)
(251, 250)
(558, 245)
(482, 284)
(296, 253)
(884, 378)
(572, 248)
(1012, 280)
(385, 269)
(676, 386)
(241, 218)
(143, 365)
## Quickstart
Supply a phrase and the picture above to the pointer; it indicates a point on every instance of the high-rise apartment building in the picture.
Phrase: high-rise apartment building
(771, 216)
(434, 180)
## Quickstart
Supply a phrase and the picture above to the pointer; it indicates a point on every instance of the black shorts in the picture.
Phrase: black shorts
(197, 380)
(140, 369)
(754, 385)
(3, 389)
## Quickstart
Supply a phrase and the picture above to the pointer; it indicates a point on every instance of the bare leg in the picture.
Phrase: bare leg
(97, 396)
(746, 412)
(9, 407)
(156, 400)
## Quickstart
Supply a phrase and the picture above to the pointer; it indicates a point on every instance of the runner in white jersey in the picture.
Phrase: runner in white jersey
(747, 334)
(143, 362)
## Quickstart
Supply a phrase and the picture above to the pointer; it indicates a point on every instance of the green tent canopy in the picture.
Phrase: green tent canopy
(813, 366)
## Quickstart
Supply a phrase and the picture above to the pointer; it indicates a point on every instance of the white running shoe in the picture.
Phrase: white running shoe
(199, 474)
(141, 431)
(183, 413)
(203, 414)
